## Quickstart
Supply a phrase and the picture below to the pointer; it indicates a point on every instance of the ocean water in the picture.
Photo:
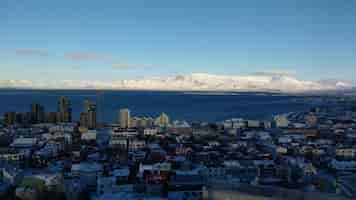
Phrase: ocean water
(178, 105)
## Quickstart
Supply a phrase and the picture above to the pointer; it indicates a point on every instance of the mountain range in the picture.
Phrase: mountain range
(194, 82)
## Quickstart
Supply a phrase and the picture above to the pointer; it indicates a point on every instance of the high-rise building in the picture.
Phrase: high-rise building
(23, 118)
(149, 122)
(92, 116)
(84, 120)
(124, 117)
(64, 109)
(20, 118)
(88, 118)
(52, 117)
(37, 113)
(162, 120)
(86, 105)
(10, 118)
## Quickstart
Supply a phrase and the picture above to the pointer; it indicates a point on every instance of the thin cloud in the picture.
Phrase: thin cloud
(88, 57)
(122, 65)
(115, 63)
(31, 52)
(276, 72)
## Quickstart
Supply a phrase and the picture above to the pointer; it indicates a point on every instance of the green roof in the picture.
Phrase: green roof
(32, 182)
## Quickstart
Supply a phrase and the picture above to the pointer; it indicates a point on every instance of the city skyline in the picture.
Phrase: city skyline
(177, 100)
(104, 42)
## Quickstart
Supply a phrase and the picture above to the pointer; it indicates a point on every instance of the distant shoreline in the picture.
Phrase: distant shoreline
(193, 92)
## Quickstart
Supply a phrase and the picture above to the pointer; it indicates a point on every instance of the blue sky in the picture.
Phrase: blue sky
(109, 40)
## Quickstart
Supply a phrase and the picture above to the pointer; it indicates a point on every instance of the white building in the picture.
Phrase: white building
(51, 179)
(50, 150)
(238, 123)
(118, 142)
(12, 155)
(232, 164)
(136, 145)
(162, 120)
(281, 121)
(124, 134)
(64, 128)
(281, 150)
(284, 140)
(158, 167)
(227, 124)
(24, 143)
(90, 135)
(253, 123)
(346, 152)
(150, 131)
(12, 175)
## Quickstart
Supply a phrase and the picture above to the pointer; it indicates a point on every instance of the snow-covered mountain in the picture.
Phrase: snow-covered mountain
(194, 82)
